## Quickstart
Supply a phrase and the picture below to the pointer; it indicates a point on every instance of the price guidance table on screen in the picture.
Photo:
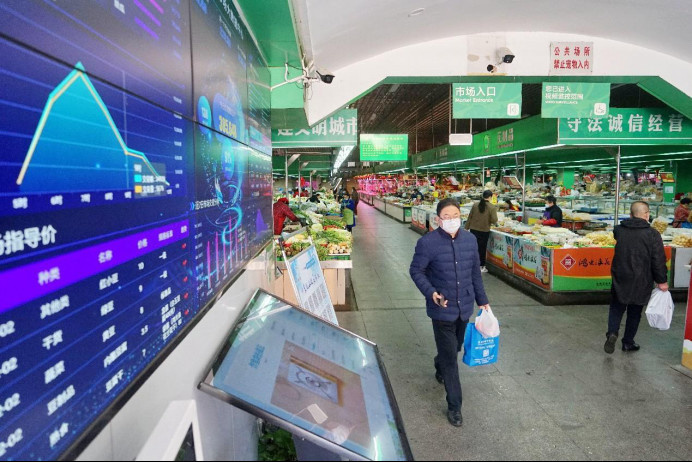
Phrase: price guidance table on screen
(129, 200)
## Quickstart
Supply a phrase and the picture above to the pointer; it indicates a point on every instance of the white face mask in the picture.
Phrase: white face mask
(451, 226)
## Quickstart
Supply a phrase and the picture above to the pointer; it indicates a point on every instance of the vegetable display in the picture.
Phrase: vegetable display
(327, 232)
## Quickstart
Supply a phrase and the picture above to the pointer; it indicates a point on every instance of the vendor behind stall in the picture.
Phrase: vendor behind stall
(347, 211)
(281, 211)
(682, 213)
(552, 216)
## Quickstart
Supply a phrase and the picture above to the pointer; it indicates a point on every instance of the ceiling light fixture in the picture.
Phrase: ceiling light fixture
(416, 12)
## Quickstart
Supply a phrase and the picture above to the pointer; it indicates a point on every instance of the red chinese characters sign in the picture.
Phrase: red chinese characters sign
(571, 58)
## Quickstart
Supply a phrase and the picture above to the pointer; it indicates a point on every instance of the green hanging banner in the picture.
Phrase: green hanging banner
(643, 126)
(486, 101)
(575, 99)
(340, 129)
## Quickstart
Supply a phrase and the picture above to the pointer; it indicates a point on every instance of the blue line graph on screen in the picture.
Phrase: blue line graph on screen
(77, 136)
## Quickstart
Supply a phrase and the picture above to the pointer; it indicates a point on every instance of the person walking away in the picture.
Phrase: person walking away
(483, 214)
(552, 216)
(639, 262)
(446, 269)
(281, 211)
(682, 212)
(355, 197)
(347, 210)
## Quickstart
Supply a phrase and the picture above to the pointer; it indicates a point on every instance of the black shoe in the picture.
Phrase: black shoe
(609, 346)
(630, 347)
(455, 418)
(439, 378)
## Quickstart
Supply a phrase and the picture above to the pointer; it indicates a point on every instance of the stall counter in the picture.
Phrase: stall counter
(335, 274)
(419, 218)
(571, 270)
(366, 197)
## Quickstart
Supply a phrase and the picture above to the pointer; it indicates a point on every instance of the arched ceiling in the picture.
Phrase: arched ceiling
(336, 33)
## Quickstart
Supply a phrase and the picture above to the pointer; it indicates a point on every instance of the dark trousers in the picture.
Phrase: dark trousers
(634, 315)
(449, 338)
(482, 238)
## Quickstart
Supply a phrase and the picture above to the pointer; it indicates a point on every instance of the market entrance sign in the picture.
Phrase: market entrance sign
(378, 147)
(628, 126)
(575, 99)
(486, 101)
(340, 129)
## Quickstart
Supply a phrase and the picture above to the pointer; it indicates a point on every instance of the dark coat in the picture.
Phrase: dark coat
(553, 213)
(450, 267)
(639, 261)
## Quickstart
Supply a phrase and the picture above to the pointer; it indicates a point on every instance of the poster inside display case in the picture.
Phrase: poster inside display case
(310, 377)
(667, 177)
(512, 182)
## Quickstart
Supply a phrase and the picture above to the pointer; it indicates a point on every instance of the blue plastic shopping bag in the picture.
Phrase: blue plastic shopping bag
(479, 351)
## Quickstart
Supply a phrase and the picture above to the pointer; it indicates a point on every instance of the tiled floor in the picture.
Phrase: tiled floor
(553, 394)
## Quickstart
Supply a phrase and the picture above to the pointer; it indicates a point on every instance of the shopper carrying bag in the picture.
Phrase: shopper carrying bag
(638, 263)
(446, 270)
(659, 312)
(479, 349)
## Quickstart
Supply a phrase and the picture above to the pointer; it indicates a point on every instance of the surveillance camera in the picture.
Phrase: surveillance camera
(326, 78)
(505, 55)
(492, 69)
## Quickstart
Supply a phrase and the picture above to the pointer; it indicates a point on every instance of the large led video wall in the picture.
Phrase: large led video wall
(135, 184)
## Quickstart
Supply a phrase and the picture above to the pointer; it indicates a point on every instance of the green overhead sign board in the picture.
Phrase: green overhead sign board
(340, 129)
(486, 101)
(378, 147)
(523, 135)
(575, 99)
(628, 126)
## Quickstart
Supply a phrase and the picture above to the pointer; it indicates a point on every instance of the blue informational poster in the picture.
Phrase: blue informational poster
(311, 377)
(124, 211)
(311, 288)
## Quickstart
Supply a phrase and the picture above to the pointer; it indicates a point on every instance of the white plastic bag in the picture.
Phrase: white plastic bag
(659, 312)
(487, 324)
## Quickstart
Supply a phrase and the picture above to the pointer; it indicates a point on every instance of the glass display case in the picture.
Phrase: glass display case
(606, 206)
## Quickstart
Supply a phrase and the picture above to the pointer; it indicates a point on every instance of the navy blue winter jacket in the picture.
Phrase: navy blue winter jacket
(450, 267)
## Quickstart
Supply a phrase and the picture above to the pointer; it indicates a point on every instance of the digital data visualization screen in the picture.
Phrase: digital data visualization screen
(140, 46)
(259, 102)
(122, 215)
(290, 366)
(220, 69)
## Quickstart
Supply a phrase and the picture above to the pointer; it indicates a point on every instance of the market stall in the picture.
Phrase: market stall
(560, 267)
(421, 216)
(398, 209)
(366, 197)
(394, 207)
(326, 230)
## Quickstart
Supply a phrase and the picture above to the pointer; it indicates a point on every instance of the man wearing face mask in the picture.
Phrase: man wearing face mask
(446, 269)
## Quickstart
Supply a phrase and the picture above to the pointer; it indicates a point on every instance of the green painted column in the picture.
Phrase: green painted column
(565, 177)
(529, 176)
(683, 177)
(568, 178)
